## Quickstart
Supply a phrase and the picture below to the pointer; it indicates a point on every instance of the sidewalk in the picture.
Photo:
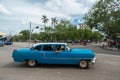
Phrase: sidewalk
(105, 46)
(110, 48)
(21, 44)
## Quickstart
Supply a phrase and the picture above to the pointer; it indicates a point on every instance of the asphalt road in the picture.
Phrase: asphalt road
(107, 67)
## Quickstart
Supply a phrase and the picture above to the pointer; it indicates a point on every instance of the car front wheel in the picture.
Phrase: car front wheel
(84, 64)
(32, 63)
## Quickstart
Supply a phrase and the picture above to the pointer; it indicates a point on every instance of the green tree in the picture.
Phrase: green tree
(44, 20)
(16, 38)
(104, 15)
(54, 21)
(62, 27)
(87, 34)
(43, 36)
(96, 36)
(72, 33)
(24, 35)
(36, 36)
(1, 36)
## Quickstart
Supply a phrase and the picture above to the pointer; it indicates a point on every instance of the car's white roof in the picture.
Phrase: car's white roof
(49, 43)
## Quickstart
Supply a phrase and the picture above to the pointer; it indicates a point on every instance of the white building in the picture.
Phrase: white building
(83, 26)
(3, 34)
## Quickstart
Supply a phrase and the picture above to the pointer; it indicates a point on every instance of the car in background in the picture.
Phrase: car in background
(83, 42)
(54, 53)
(8, 42)
(1, 43)
(118, 44)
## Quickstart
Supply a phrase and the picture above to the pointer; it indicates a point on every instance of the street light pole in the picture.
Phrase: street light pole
(34, 28)
(30, 34)
(31, 30)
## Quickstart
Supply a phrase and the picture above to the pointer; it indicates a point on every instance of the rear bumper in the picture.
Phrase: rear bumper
(93, 61)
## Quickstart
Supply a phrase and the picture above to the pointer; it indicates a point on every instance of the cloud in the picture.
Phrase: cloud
(51, 8)
(67, 7)
(24, 11)
(92, 1)
(4, 10)
(34, 13)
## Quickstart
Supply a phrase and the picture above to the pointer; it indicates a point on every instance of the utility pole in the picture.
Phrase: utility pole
(30, 34)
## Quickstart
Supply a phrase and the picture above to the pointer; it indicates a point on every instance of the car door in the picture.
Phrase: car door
(48, 52)
(60, 57)
(36, 53)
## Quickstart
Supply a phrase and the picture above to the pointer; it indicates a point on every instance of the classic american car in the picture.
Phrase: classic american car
(1, 43)
(54, 53)
(8, 43)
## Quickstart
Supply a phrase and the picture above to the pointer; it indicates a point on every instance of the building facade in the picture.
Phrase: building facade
(83, 26)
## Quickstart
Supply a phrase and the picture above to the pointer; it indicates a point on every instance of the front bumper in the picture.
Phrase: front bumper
(93, 61)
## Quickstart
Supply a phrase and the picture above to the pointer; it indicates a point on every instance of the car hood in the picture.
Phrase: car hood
(82, 51)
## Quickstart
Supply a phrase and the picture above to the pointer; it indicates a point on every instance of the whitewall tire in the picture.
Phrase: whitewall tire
(84, 64)
(32, 63)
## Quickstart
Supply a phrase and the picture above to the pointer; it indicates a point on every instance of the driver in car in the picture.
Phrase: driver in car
(58, 49)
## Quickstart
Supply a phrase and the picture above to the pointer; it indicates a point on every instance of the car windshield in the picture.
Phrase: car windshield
(68, 47)
(31, 46)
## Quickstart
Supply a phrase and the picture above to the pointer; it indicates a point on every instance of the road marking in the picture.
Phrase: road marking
(108, 55)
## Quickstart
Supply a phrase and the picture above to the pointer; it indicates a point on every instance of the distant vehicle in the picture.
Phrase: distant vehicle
(54, 53)
(1, 43)
(8, 40)
(8, 43)
(118, 44)
(83, 42)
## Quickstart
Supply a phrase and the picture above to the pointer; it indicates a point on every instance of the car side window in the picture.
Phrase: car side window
(59, 48)
(38, 48)
(48, 48)
(62, 47)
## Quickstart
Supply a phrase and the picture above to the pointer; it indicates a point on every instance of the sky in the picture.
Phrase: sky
(15, 15)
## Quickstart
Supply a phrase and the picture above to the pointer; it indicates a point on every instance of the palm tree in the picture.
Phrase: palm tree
(44, 20)
(65, 22)
(54, 21)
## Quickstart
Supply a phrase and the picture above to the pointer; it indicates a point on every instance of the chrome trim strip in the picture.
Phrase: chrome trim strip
(68, 58)
(44, 57)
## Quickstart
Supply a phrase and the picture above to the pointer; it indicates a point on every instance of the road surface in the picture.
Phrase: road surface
(107, 67)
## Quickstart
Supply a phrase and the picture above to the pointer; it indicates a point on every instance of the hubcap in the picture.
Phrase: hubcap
(83, 64)
(31, 62)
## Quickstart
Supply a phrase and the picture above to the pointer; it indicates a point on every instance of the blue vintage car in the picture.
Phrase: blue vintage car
(54, 53)
(8, 43)
(1, 43)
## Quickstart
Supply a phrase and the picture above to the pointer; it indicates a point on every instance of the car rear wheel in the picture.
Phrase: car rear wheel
(84, 64)
(32, 63)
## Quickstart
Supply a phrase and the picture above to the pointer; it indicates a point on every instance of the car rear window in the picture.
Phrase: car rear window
(48, 47)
